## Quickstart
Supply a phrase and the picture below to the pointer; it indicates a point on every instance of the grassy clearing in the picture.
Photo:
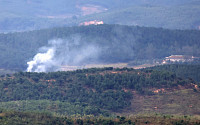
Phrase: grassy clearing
(114, 65)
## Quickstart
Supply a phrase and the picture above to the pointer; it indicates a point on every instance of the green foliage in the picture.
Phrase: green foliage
(16, 118)
(21, 118)
(89, 91)
(182, 70)
(52, 107)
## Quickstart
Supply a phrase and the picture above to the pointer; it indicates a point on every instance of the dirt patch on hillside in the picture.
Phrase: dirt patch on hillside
(181, 102)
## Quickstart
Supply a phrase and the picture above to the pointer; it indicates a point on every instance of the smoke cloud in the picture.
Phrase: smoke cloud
(71, 51)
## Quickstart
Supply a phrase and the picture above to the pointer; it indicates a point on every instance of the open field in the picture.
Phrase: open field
(114, 65)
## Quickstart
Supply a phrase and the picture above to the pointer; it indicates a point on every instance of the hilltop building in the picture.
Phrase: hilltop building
(95, 22)
(178, 58)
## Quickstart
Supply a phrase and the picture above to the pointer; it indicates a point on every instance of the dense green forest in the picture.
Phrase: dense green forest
(89, 91)
(181, 70)
(115, 43)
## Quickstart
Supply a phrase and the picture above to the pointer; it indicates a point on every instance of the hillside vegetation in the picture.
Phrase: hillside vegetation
(113, 43)
(181, 70)
(15, 118)
(89, 91)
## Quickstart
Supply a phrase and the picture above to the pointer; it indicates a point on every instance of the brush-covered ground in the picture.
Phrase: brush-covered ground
(100, 96)
(27, 118)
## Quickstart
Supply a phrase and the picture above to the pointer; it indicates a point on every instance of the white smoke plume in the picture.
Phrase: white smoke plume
(39, 62)
(71, 51)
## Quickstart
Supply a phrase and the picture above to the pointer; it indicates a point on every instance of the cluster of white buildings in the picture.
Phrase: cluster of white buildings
(94, 22)
(178, 58)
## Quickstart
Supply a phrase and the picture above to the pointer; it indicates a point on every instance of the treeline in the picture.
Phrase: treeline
(117, 43)
(97, 90)
(59, 108)
(29, 118)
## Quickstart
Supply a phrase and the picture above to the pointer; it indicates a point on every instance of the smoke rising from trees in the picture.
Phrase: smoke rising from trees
(58, 52)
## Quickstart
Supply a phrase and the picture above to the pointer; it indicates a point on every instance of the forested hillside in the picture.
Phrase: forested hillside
(89, 91)
(181, 70)
(112, 43)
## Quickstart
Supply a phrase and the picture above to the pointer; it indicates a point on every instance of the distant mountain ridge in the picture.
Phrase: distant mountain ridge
(24, 15)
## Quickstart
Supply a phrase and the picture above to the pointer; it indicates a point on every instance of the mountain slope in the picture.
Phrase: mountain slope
(99, 92)
(182, 70)
(172, 17)
(30, 14)
(100, 44)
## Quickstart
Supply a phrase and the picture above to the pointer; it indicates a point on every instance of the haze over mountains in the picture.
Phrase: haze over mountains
(17, 49)
(38, 14)
(81, 45)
